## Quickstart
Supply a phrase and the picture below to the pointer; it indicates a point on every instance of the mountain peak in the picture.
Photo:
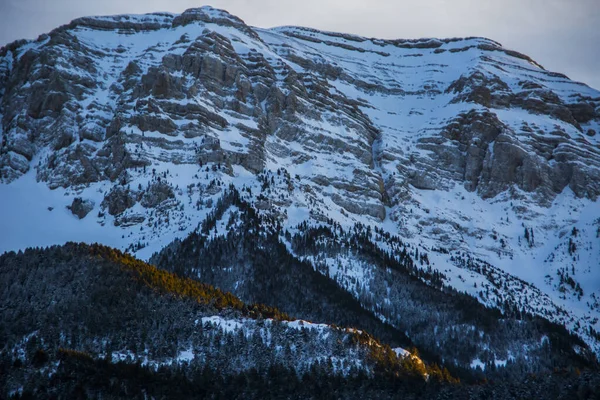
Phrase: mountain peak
(211, 11)
(208, 14)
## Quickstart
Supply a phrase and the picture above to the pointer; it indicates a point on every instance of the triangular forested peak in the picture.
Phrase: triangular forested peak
(173, 284)
(392, 291)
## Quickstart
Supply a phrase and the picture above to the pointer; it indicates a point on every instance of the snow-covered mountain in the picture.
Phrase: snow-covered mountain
(127, 130)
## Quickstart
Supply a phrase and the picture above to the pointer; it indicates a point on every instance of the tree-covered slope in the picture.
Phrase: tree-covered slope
(400, 299)
(99, 306)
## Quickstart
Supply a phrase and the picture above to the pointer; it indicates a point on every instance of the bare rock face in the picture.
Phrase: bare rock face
(540, 101)
(479, 88)
(583, 112)
(200, 99)
(489, 157)
(491, 91)
(475, 132)
(153, 123)
(13, 166)
(118, 200)
(81, 207)
(156, 193)
(125, 220)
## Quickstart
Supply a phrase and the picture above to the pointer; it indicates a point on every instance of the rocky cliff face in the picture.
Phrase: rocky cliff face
(456, 145)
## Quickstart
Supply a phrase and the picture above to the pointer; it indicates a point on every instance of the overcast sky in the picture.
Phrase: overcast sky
(562, 35)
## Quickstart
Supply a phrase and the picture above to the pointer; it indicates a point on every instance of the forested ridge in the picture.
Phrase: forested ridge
(88, 320)
(399, 299)
(84, 321)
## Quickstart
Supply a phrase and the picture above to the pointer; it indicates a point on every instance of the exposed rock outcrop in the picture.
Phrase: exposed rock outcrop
(118, 200)
(81, 207)
(156, 193)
